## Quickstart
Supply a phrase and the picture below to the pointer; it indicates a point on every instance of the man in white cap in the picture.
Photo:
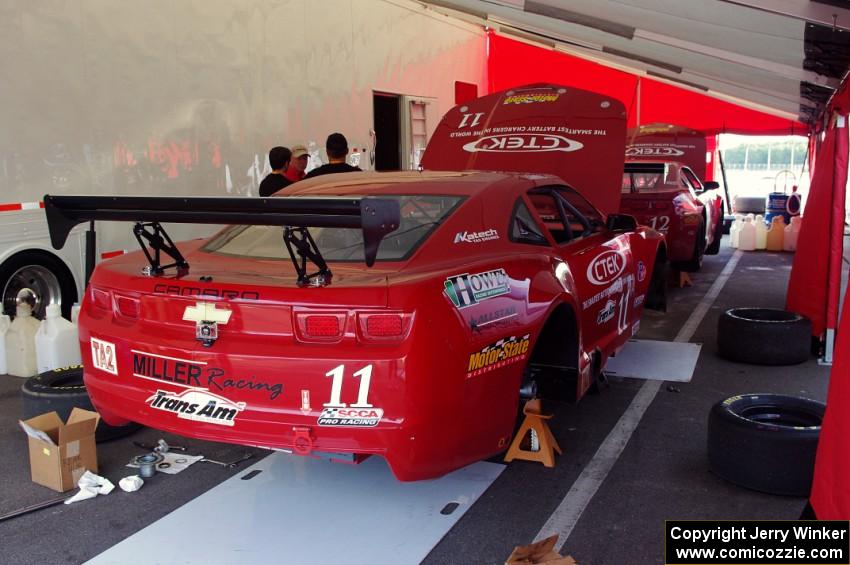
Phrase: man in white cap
(298, 164)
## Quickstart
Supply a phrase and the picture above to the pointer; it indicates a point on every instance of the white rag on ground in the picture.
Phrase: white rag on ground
(91, 485)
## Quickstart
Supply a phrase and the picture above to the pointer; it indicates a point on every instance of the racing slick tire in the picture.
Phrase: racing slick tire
(765, 442)
(46, 278)
(764, 336)
(62, 390)
(749, 205)
(695, 262)
(714, 248)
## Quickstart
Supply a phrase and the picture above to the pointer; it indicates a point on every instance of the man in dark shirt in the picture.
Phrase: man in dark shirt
(279, 158)
(337, 149)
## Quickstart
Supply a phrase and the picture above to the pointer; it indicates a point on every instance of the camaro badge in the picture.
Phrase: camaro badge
(206, 317)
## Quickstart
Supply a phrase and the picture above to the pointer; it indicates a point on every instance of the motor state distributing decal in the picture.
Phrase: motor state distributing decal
(504, 352)
(465, 289)
(606, 267)
(197, 405)
(103, 355)
(532, 97)
(476, 236)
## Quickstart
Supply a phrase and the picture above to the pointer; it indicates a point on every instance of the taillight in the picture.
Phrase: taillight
(127, 306)
(384, 327)
(320, 326)
(101, 299)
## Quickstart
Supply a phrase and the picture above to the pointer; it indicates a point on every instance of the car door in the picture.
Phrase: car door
(600, 262)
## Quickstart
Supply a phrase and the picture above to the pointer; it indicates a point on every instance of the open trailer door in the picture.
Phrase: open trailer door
(574, 134)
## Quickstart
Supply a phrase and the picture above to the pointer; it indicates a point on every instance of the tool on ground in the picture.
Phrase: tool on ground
(33, 508)
(230, 464)
(147, 463)
(160, 447)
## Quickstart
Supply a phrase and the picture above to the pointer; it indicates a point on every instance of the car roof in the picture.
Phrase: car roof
(461, 183)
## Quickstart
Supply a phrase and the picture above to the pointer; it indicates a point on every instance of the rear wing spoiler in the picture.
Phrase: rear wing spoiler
(375, 216)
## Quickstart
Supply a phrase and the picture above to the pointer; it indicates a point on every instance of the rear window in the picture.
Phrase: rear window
(420, 216)
(650, 179)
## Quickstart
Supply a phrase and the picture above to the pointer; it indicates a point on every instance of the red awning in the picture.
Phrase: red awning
(512, 63)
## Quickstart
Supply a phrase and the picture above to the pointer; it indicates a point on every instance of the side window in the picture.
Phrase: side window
(692, 179)
(583, 207)
(524, 228)
(546, 206)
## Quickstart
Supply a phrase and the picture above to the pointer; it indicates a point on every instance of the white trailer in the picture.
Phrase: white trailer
(186, 98)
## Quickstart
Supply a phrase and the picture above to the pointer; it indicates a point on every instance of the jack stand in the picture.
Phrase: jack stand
(683, 280)
(541, 437)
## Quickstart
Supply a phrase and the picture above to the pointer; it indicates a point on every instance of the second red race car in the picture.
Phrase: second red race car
(662, 190)
(395, 314)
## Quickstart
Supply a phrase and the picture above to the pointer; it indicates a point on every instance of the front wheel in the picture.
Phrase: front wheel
(39, 279)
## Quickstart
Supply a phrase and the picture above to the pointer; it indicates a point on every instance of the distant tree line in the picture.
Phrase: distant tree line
(780, 154)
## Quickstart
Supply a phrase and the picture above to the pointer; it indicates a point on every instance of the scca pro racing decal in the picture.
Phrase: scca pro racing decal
(351, 417)
(504, 352)
(197, 405)
(465, 290)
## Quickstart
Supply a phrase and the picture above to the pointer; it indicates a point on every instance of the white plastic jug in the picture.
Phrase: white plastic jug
(75, 313)
(735, 231)
(56, 342)
(747, 238)
(5, 322)
(792, 232)
(776, 234)
(20, 343)
(761, 232)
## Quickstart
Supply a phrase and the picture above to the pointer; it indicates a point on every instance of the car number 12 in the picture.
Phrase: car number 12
(365, 375)
(660, 223)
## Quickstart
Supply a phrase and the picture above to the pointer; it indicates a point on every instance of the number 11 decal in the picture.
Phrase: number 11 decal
(336, 374)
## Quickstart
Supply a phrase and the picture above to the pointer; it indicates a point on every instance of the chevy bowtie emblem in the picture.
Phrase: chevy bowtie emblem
(206, 317)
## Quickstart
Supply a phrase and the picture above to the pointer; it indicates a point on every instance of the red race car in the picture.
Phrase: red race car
(661, 189)
(395, 314)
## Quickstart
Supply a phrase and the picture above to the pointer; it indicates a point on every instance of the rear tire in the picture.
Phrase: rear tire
(765, 442)
(44, 275)
(62, 390)
(695, 262)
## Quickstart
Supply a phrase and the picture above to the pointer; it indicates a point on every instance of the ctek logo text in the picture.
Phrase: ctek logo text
(198, 405)
(653, 152)
(606, 267)
(522, 143)
(476, 236)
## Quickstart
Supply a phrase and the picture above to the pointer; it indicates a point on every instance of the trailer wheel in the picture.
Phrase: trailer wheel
(764, 336)
(765, 442)
(62, 390)
(39, 278)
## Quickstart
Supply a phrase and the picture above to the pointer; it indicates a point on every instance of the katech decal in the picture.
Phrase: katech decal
(494, 319)
(351, 417)
(201, 292)
(197, 405)
(103, 355)
(504, 352)
(465, 290)
(476, 236)
(522, 143)
(530, 98)
(606, 267)
(653, 151)
(607, 312)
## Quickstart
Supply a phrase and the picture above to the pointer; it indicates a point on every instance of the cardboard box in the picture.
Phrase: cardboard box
(61, 453)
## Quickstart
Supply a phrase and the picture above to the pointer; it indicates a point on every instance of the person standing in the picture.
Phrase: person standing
(298, 164)
(279, 158)
(337, 148)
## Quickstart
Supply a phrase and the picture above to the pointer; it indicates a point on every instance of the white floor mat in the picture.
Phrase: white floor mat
(655, 360)
(300, 510)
